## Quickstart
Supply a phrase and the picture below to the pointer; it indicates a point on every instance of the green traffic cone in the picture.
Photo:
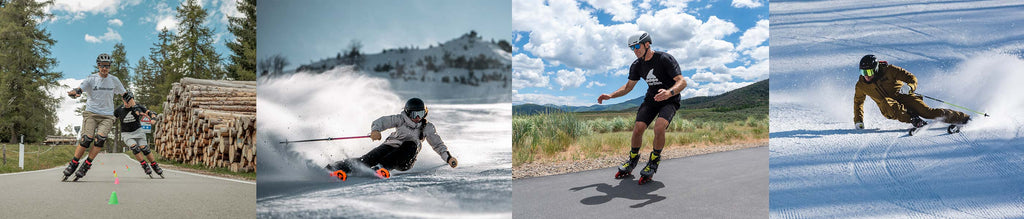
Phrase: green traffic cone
(113, 198)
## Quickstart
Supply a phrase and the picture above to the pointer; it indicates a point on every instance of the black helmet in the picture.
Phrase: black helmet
(639, 38)
(127, 96)
(869, 62)
(103, 57)
(415, 106)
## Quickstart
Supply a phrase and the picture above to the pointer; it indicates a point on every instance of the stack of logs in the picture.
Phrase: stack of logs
(209, 122)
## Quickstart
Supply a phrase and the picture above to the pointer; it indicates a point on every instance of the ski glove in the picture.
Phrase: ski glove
(452, 161)
(374, 135)
(906, 89)
(860, 125)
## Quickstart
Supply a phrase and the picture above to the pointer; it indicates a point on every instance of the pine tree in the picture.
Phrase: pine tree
(145, 79)
(195, 56)
(164, 73)
(25, 72)
(243, 61)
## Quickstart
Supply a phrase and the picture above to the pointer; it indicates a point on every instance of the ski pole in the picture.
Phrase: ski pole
(325, 139)
(965, 108)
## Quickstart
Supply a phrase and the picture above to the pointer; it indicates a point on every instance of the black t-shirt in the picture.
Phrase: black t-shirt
(130, 121)
(658, 72)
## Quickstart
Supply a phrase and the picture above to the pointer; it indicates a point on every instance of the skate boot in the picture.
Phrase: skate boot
(157, 170)
(145, 168)
(381, 172)
(626, 169)
(82, 170)
(652, 166)
(71, 169)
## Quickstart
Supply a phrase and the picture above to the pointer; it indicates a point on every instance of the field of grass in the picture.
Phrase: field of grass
(37, 157)
(202, 168)
(601, 134)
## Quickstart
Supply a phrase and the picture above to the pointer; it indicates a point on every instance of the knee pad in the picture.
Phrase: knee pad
(135, 149)
(85, 142)
(145, 151)
(100, 140)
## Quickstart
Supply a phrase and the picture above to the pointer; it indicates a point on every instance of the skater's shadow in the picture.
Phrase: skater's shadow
(627, 188)
(802, 133)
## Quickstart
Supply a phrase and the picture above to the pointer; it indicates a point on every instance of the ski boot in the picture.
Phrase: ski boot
(955, 128)
(337, 172)
(626, 169)
(145, 168)
(652, 166)
(81, 171)
(918, 125)
(157, 170)
(381, 172)
(71, 169)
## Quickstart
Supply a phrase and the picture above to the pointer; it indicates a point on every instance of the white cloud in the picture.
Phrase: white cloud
(162, 17)
(620, 10)
(756, 72)
(66, 106)
(77, 9)
(570, 79)
(115, 22)
(110, 35)
(711, 77)
(229, 8)
(542, 99)
(595, 83)
(711, 89)
(759, 53)
(754, 36)
(527, 72)
(168, 22)
(746, 3)
(562, 33)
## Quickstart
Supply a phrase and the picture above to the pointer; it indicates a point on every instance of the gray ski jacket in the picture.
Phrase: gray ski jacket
(406, 130)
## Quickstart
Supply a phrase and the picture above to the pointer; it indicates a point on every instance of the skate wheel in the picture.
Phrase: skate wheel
(644, 180)
(340, 174)
(383, 173)
(620, 175)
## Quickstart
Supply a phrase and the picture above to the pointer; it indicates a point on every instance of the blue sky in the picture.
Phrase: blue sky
(320, 29)
(85, 28)
(569, 52)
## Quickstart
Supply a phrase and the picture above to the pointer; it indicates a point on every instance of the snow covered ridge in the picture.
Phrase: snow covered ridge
(467, 67)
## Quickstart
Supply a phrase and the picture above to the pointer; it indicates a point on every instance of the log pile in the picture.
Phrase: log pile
(210, 123)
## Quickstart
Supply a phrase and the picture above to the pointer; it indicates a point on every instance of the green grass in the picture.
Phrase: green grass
(608, 133)
(37, 157)
(221, 170)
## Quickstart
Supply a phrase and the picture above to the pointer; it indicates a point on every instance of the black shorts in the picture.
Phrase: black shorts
(649, 110)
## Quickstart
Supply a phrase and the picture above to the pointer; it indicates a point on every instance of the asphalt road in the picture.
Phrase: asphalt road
(731, 184)
(41, 194)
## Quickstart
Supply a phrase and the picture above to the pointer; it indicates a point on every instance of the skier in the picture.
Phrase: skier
(130, 115)
(892, 88)
(401, 147)
(664, 80)
(98, 116)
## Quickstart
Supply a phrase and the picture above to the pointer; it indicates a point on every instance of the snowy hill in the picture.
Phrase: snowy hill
(465, 69)
(965, 52)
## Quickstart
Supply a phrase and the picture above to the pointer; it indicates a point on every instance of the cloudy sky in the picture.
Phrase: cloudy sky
(320, 29)
(569, 52)
(85, 28)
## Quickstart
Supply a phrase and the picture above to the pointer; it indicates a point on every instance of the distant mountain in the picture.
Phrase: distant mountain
(752, 95)
(465, 68)
(530, 109)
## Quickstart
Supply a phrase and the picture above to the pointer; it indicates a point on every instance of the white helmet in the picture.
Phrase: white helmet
(642, 37)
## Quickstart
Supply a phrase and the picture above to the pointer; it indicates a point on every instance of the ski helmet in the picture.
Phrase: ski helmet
(103, 57)
(868, 65)
(415, 108)
(127, 96)
(642, 37)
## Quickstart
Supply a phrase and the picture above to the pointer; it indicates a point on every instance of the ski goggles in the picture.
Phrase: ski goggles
(867, 72)
(635, 47)
(417, 114)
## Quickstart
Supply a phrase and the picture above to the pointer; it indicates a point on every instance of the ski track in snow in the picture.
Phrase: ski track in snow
(292, 180)
(966, 52)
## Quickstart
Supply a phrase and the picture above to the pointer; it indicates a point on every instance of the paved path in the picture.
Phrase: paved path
(731, 184)
(41, 194)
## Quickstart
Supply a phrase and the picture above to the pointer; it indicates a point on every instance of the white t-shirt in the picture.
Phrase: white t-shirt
(101, 93)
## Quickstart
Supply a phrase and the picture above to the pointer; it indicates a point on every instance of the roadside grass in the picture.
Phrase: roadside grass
(200, 168)
(37, 157)
(544, 136)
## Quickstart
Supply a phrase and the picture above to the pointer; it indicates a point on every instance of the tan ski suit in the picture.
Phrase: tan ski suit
(884, 90)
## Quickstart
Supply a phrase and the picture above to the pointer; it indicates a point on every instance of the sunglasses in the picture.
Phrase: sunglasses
(635, 47)
(867, 72)
(105, 66)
